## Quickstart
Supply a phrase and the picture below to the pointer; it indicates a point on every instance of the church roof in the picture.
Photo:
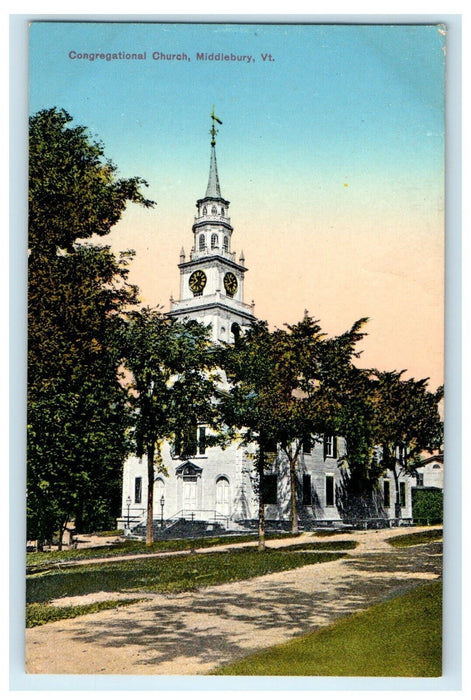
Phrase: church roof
(213, 190)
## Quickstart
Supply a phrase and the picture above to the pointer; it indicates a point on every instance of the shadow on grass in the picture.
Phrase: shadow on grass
(215, 625)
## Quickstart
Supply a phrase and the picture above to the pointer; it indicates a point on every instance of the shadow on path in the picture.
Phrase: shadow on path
(201, 630)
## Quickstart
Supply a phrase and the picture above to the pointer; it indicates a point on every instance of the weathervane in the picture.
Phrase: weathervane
(214, 131)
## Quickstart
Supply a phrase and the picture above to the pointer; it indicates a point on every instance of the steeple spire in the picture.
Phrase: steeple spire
(213, 189)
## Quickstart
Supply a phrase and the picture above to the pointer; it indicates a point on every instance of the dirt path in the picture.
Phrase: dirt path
(192, 633)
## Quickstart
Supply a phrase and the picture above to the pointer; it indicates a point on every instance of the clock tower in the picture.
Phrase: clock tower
(212, 280)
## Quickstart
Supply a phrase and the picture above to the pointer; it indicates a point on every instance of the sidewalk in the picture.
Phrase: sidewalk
(193, 633)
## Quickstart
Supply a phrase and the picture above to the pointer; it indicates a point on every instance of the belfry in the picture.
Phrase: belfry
(212, 280)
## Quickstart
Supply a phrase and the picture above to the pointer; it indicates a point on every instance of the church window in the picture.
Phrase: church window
(202, 242)
(330, 446)
(138, 489)
(222, 211)
(159, 489)
(235, 330)
(214, 240)
(329, 490)
(214, 210)
(420, 479)
(307, 496)
(205, 210)
(270, 484)
(222, 496)
(202, 440)
(307, 445)
(387, 493)
(226, 244)
(401, 453)
(402, 493)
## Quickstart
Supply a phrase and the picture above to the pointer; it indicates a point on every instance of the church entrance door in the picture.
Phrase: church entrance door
(189, 494)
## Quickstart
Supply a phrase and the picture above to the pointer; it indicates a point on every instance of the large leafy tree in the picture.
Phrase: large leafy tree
(311, 375)
(286, 389)
(249, 401)
(406, 422)
(171, 387)
(76, 292)
(74, 191)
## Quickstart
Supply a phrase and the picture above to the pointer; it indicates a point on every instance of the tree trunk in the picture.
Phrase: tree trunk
(61, 535)
(294, 504)
(397, 503)
(292, 461)
(150, 494)
(79, 525)
(261, 502)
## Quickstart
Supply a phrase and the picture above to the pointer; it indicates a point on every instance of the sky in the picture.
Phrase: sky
(331, 153)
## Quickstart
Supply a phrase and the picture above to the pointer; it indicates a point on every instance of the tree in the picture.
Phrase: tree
(311, 374)
(76, 407)
(285, 389)
(295, 385)
(247, 402)
(406, 422)
(76, 293)
(352, 410)
(73, 190)
(171, 390)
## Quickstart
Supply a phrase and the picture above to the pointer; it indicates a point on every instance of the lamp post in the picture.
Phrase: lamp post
(162, 503)
(128, 503)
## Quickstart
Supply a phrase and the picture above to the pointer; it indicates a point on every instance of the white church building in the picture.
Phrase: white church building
(215, 485)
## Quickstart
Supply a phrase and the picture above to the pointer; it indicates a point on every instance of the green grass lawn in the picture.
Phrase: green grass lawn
(338, 546)
(416, 538)
(37, 560)
(40, 613)
(401, 637)
(176, 573)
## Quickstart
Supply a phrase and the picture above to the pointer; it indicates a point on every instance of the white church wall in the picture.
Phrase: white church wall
(224, 487)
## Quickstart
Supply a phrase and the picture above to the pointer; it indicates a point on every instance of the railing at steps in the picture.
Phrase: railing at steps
(197, 515)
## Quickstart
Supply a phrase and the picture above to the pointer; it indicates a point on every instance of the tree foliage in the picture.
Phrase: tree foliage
(406, 422)
(73, 190)
(76, 293)
(296, 384)
(286, 388)
(171, 390)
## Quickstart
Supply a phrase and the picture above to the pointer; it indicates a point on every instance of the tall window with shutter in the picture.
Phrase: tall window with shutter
(307, 495)
(138, 489)
(330, 446)
(329, 490)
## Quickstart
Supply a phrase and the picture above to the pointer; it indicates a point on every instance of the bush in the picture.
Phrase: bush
(427, 506)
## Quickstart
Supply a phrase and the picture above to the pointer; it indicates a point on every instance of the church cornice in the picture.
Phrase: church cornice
(211, 222)
(211, 306)
(212, 199)
(209, 259)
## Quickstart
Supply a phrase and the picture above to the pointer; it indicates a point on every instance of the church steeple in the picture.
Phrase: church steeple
(213, 189)
(211, 279)
(212, 228)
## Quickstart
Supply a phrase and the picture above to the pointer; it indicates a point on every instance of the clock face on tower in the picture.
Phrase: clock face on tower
(230, 283)
(197, 282)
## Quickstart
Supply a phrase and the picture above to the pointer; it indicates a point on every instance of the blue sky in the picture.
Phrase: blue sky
(332, 155)
(335, 96)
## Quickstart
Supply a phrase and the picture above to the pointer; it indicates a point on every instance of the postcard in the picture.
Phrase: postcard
(235, 349)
